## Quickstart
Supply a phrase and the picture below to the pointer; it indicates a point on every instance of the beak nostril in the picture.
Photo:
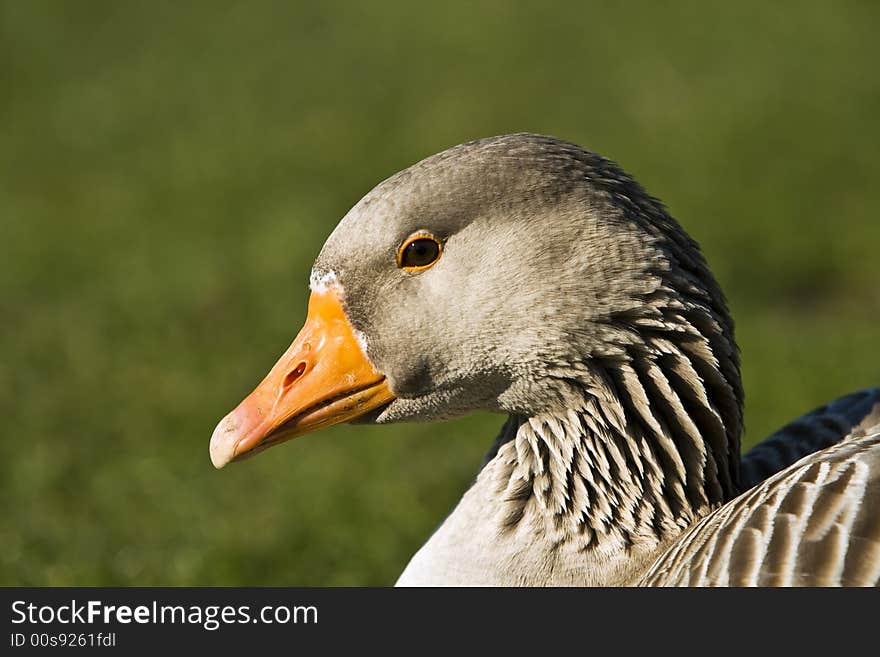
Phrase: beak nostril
(293, 375)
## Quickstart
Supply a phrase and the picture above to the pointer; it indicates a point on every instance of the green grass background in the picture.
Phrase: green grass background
(168, 171)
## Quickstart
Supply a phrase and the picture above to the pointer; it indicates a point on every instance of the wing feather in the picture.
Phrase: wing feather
(815, 523)
(820, 428)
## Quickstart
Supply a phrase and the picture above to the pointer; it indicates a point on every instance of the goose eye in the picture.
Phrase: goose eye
(419, 253)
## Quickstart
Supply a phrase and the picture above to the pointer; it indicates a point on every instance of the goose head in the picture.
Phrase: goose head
(518, 274)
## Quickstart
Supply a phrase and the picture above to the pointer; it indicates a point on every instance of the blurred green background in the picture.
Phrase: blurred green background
(168, 171)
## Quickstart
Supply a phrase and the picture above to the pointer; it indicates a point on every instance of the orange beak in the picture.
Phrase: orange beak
(324, 378)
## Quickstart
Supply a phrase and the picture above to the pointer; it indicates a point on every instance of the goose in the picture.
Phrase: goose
(527, 276)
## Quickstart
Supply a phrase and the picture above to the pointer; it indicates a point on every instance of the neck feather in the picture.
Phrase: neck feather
(653, 446)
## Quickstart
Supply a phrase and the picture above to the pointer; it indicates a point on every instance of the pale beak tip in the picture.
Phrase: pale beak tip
(224, 440)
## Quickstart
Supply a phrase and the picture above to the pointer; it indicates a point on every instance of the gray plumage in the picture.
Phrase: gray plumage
(816, 523)
(569, 299)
